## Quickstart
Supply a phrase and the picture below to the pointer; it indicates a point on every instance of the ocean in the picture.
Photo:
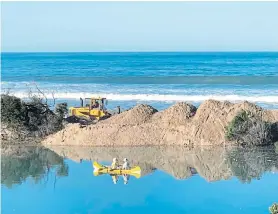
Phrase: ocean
(158, 78)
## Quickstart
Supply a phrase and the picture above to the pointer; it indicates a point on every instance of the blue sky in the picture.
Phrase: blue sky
(139, 26)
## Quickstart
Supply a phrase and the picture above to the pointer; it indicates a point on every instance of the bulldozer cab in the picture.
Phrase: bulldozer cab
(96, 103)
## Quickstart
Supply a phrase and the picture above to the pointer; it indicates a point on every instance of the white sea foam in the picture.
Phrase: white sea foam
(158, 97)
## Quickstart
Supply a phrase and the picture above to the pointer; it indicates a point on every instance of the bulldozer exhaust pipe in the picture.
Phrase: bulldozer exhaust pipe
(81, 102)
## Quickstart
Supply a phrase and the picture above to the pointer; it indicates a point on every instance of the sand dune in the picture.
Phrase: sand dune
(181, 124)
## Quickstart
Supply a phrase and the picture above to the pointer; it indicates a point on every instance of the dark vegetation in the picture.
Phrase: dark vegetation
(29, 120)
(250, 130)
(274, 208)
(248, 164)
(36, 163)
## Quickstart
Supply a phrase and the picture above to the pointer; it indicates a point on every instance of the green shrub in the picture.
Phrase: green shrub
(30, 119)
(247, 129)
(274, 131)
(274, 208)
(276, 147)
(61, 109)
(12, 110)
(238, 125)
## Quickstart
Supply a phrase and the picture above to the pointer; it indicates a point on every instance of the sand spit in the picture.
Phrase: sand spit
(180, 124)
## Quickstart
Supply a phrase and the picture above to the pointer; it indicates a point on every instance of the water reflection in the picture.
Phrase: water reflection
(212, 164)
(158, 190)
(248, 164)
(21, 162)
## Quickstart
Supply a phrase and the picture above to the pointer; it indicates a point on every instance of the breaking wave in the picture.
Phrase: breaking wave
(212, 80)
(158, 97)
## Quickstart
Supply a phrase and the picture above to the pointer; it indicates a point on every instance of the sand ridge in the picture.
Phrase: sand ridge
(180, 124)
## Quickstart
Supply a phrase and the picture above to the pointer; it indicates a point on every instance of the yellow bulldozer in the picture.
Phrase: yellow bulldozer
(91, 109)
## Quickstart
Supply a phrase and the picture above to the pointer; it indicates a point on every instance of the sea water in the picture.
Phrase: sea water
(159, 79)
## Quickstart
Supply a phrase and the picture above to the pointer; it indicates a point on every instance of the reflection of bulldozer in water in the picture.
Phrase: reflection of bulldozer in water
(90, 109)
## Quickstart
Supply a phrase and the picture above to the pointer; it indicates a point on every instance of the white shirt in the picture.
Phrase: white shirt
(126, 165)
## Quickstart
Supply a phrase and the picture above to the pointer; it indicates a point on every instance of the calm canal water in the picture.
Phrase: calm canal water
(173, 180)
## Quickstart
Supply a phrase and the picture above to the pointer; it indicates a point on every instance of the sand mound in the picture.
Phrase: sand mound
(225, 111)
(143, 125)
(135, 116)
(212, 117)
(175, 115)
(266, 115)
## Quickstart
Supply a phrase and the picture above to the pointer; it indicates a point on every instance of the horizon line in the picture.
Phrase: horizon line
(153, 51)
